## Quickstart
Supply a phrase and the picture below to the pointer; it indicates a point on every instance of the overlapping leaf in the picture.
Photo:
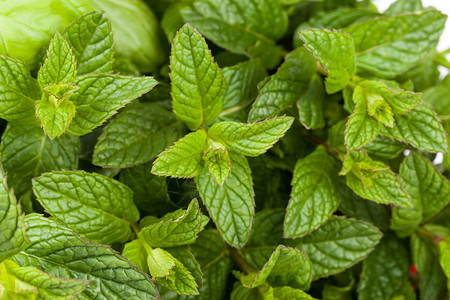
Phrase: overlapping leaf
(197, 82)
(95, 206)
(314, 196)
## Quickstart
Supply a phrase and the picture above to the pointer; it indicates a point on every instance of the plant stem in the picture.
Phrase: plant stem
(239, 260)
(135, 228)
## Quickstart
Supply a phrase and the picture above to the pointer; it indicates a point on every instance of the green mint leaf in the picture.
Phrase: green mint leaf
(328, 247)
(231, 206)
(287, 292)
(336, 18)
(60, 65)
(30, 282)
(91, 40)
(311, 105)
(361, 128)
(238, 26)
(218, 161)
(285, 87)
(375, 181)
(144, 183)
(384, 148)
(432, 282)
(429, 190)
(175, 229)
(389, 46)
(160, 263)
(251, 139)
(335, 52)
(404, 6)
(314, 196)
(385, 270)
(18, 91)
(242, 80)
(100, 96)
(185, 256)
(27, 153)
(12, 226)
(197, 82)
(123, 144)
(97, 207)
(362, 209)
(421, 128)
(69, 256)
(444, 250)
(399, 100)
(286, 266)
(136, 253)
(178, 277)
(55, 119)
(210, 251)
(184, 158)
(380, 110)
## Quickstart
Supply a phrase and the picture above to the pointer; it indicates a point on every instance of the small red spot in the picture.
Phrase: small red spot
(412, 270)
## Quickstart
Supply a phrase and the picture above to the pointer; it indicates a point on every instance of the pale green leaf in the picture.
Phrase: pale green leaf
(136, 135)
(178, 277)
(338, 244)
(429, 190)
(26, 153)
(60, 65)
(197, 82)
(399, 100)
(286, 86)
(144, 183)
(160, 263)
(251, 139)
(55, 119)
(185, 256)
(231, 206)
(91, 40)
(389, 46)
(218, 161)
(240, 27)
(100, 96)
(12, 228)
(311, 105)
(177, 228)
(136, 253)
(286, 266)
(335, 52)
(314, 196)
(31, 282)
(385, 270)
(421, 128)
(97, 207)
(184, 158)
(18, 92)
(69, 256)
(361, 128)
(425, 257)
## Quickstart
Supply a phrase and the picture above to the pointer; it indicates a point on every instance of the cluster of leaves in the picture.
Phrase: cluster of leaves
(313, 182)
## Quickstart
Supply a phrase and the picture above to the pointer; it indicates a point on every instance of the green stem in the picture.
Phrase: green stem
(424, 232)
(239, 260)
(135, 228)
(441, 60)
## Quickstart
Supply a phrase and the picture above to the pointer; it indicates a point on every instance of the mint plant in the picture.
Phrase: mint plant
(285, 150)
